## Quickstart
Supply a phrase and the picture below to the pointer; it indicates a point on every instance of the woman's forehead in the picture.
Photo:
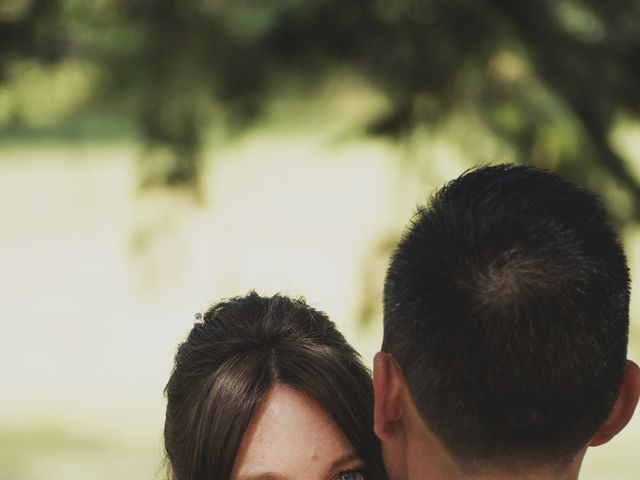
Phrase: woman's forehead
(290, 436)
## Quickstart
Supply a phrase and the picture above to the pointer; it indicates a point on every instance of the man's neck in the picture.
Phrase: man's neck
(537, 473)
(439, 464)
(442, 467)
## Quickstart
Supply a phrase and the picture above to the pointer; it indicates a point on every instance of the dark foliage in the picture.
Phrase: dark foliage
(168, 58)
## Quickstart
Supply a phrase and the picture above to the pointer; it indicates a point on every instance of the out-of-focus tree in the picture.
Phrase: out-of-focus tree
(549, 78)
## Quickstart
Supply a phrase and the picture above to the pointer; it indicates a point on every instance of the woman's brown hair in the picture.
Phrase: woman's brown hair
(240, 350)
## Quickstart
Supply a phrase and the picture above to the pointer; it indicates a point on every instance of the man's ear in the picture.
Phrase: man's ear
(623, 408)
(388, 384)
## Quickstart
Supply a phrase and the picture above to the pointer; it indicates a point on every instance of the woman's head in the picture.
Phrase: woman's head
(257, 363)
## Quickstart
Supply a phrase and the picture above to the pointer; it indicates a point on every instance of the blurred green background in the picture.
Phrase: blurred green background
(157, 155)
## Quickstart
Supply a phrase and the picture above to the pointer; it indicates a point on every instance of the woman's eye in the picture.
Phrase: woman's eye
(350, 475)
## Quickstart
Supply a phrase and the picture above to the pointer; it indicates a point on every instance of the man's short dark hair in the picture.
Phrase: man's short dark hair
(506, 305)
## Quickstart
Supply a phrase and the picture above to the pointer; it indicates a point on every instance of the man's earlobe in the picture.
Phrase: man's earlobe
(624, 407)
(387, 387)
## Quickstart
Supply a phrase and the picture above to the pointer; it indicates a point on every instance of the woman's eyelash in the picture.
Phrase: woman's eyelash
(350, 475)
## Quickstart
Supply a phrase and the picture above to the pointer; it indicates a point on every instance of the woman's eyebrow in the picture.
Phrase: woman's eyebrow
(344, 460)
(261, 476)
(337, 464)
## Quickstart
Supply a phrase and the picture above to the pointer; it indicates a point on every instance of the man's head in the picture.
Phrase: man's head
(505, 328)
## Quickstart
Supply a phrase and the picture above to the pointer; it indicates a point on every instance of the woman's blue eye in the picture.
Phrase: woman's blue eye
(350, 475)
